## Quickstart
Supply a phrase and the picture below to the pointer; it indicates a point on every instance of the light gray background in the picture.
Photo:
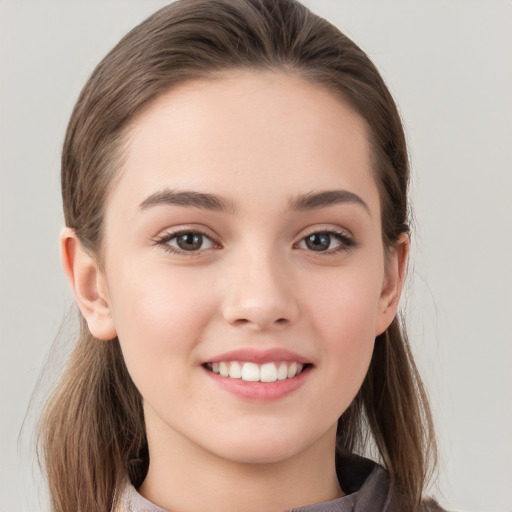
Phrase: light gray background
(448, 63)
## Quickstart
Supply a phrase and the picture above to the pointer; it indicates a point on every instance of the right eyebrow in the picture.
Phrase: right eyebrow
(187, 198)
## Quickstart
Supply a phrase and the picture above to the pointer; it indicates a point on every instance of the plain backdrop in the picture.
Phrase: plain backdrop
(448, 64)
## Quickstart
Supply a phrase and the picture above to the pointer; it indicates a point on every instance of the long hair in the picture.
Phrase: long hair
(92, 435)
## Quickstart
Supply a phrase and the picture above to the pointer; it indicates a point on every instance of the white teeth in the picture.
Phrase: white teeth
(224, 369)
(235, 370)
(282, 372)
(268, 372)
(252, 372)
(292, 370)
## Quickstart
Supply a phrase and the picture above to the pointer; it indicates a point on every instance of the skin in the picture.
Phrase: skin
(258, 141)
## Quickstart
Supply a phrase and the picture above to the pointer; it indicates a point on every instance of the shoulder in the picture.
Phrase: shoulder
(129, 500)
(368, 486)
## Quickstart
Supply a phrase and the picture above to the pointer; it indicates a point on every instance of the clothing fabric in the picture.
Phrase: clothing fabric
(365, 483)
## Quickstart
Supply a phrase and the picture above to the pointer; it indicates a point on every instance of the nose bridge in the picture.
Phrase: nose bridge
(260, 290)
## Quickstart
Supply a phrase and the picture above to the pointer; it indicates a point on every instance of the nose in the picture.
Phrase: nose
(260, 296)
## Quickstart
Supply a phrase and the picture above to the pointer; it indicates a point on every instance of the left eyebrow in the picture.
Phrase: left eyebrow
(314, 200)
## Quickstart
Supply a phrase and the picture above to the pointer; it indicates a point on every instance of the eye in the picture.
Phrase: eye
(326, 241)
(186, 241)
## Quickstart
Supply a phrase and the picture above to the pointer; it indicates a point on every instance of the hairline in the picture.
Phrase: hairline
(308, 75)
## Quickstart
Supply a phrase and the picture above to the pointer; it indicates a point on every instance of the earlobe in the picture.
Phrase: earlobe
(393, 283)
(88, 285)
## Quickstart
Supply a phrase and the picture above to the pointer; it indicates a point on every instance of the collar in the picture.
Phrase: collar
(365, 483)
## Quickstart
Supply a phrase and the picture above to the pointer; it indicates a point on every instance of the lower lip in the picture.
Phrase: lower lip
(260, 391)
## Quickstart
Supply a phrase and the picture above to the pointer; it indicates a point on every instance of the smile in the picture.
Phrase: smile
(253, 372)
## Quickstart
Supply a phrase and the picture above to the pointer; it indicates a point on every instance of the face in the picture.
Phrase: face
(244, 270)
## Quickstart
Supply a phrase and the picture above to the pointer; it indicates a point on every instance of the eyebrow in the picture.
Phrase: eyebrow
(205, 201)
(187, 198)
(314, 200)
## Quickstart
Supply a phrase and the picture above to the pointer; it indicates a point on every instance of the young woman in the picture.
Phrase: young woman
(234, 179)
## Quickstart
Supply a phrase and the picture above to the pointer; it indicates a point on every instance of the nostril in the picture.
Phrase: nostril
(260, 324)
(241, 321)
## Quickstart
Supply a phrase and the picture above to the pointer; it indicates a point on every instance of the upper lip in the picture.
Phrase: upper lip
(259, 356)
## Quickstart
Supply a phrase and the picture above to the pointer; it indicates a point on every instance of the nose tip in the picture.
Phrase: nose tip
(261, 300)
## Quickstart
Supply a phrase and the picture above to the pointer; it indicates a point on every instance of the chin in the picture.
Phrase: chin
(262, 448)
(259, 455)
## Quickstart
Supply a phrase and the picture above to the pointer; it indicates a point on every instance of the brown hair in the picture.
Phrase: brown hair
(92, 434)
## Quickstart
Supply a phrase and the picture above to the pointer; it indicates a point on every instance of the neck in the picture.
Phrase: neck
(183, 476)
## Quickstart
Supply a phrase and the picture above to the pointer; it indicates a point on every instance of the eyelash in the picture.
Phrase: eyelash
(347, 243)
(164, 240)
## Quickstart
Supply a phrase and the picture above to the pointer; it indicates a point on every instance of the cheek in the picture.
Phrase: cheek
(344, 311)
(159, 318)
(344, 303)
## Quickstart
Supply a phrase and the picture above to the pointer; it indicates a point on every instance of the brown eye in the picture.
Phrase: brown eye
(189, 241)
(186, 241)
(318, 241)
(327, 241)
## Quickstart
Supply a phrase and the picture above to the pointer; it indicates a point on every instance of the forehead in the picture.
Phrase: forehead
(247, 132)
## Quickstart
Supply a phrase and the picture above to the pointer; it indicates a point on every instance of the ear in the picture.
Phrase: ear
(88, 285)
(396, 270)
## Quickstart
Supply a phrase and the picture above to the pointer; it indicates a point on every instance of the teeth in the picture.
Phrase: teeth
(292, 370)
(224, 369)
(235, 370)
(282, 372)
(268, 372)
(252, 372)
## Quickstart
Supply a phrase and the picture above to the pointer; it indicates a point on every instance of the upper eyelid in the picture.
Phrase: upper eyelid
(324, 228)
(163, 240)
(176, 231)
(343, 235)
(175, 234)
(172, 232)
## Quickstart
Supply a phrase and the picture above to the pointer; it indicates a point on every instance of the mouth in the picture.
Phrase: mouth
(252, 372)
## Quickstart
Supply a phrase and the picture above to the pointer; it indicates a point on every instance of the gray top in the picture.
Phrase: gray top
(365, 482)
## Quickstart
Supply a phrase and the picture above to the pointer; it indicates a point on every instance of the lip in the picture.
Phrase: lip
(272, 355)
(260, 391)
